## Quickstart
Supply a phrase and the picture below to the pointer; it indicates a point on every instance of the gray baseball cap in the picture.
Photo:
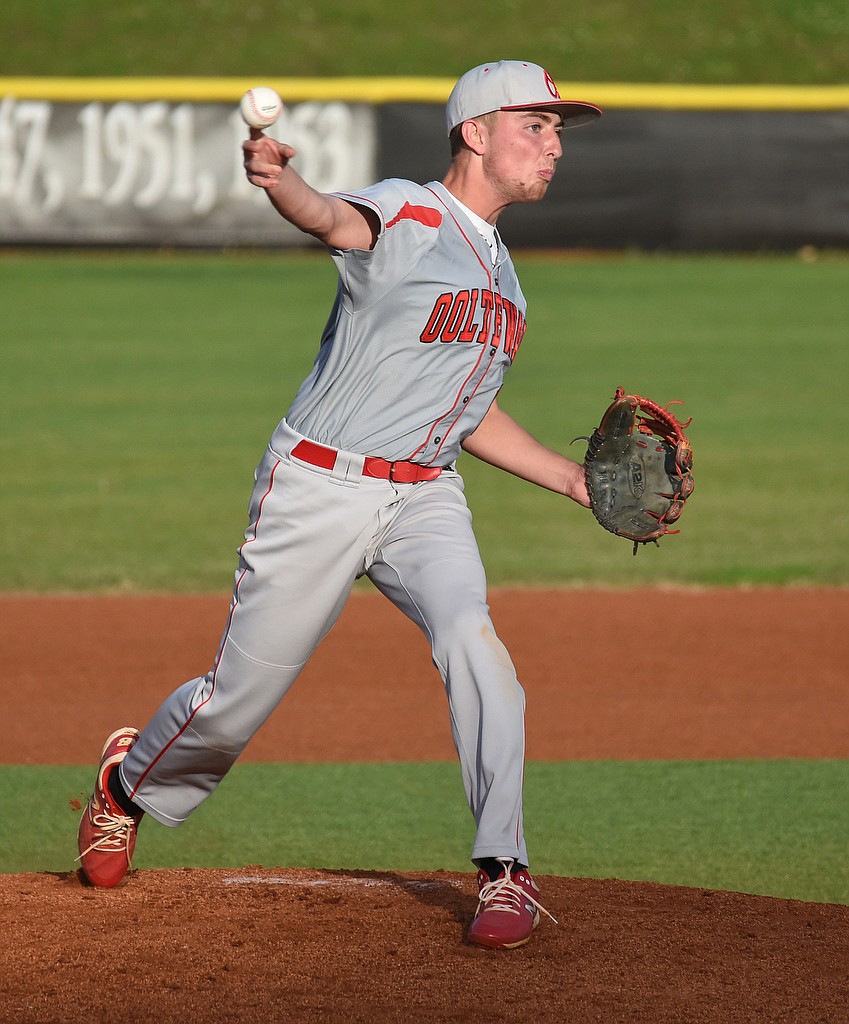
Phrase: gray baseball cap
(512, 85)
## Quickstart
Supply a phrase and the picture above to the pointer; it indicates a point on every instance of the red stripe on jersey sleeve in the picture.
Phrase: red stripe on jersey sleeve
(423, 214)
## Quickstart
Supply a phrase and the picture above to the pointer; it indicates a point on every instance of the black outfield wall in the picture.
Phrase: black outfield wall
(665, 179)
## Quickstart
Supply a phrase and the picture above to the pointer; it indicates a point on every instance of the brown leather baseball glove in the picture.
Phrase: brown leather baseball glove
(638, 469)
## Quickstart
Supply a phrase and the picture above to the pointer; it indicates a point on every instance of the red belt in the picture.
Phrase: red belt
(398, 472)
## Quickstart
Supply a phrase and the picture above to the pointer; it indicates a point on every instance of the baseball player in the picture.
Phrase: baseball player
(360, 479)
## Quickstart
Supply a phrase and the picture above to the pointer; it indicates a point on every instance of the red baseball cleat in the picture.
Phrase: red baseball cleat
(107, 835)
(508, 909)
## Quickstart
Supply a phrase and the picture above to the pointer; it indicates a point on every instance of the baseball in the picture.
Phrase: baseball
(260, 107)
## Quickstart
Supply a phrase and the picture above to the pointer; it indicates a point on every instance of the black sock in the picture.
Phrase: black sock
(494, 868)
(119, 795)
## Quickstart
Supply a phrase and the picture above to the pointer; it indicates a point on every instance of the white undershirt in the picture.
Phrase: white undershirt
(485, 229)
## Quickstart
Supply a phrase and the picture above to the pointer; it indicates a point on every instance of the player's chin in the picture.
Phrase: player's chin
(536, 191)
(540, 182)
(528, 190)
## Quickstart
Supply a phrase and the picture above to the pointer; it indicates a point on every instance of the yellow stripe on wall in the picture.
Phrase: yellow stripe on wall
(423, 90)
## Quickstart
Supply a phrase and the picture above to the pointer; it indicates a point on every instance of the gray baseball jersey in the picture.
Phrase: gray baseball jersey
(412, 357)
(422, 331)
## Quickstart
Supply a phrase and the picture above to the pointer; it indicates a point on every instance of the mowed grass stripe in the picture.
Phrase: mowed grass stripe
(139, 392)
(777, 828)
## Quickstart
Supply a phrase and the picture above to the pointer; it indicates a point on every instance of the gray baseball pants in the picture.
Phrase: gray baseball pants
(312, 533)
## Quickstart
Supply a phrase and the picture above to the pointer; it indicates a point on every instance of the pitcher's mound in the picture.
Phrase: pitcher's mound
(261, 945)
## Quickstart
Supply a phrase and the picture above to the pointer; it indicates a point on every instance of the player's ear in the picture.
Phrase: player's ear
(474, 135)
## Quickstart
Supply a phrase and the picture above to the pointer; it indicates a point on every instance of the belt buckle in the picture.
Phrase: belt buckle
(403, 472)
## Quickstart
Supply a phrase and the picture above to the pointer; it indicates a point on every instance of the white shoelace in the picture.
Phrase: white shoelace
(117, 830)
(503, 893)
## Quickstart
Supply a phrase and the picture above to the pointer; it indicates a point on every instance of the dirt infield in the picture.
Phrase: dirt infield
(732, 673)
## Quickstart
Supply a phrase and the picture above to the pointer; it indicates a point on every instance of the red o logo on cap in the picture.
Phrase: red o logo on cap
(552, 88)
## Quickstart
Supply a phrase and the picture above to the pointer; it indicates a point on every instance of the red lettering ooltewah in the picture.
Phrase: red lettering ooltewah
(477, 315)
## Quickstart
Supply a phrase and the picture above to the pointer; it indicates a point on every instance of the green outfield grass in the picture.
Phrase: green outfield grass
(138, 393)
(782, 41)
(777, 828)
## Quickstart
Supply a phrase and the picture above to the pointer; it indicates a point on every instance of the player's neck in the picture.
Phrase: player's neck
(464, 181)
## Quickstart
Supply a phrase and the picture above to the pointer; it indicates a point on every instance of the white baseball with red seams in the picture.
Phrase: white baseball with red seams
(260, 107)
